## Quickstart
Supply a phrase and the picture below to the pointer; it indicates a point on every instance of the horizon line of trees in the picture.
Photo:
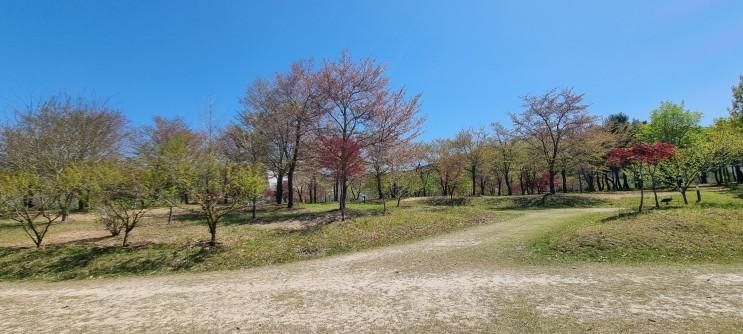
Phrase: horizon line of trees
(339, 132)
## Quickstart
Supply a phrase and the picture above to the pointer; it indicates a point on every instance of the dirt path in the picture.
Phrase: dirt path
(452, 283)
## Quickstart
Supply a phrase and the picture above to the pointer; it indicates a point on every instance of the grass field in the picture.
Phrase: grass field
(81, 248)
(706, 232)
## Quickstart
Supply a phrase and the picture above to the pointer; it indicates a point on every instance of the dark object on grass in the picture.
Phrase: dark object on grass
(666, 200)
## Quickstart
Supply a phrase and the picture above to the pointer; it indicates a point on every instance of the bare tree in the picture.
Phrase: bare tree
(449, 164)
(262, 117)
(300, 107)
(472, 143)
(504, 141)
(548, 120)
(31, 201)
(355, 101)
(391, 131)
(284, 111)
(165, 150)
(126, 197)
(60, 132)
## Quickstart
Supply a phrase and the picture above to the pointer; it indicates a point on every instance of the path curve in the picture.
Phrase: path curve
(445, 283)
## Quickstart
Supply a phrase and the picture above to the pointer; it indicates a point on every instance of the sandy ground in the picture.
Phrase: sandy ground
(451, 283)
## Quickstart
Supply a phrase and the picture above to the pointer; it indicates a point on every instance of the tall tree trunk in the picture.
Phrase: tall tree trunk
(507, 178)
(280, 187)
(254, 208)
(290, 187)
(378, 177)
(521, 183)
(642, 195)
(482, 186)
(552, 180)
(626, 183)
(336, 188)
(126, 237)
(314, 185)
(343, 195)
(564, 177)
(473, 171)
(655, 192)
(212, 231)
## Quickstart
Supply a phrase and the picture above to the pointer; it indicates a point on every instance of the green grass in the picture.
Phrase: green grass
(706, 232)
(242, 245)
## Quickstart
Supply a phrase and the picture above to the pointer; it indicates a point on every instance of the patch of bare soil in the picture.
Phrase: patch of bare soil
(430, 285)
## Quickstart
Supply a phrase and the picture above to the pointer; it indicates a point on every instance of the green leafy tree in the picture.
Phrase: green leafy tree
(126, 195)
(671, 123)
(169, 170)
(31, 201)
(250, 181)
(684, 169)
(736, 108)
(221, 188)
(77, 181)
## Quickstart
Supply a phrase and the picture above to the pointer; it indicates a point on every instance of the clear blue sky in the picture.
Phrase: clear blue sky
(472, 60)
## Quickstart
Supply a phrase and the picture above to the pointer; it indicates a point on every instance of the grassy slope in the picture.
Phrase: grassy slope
(159, 247)
(709, 232)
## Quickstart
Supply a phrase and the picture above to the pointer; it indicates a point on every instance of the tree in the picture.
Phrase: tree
(126, 196)
(448, 163)
(299, 94)
(166, 151)
(736, 107)
(472, 144)
(263, 117)
(423, 167)
(587, 155)
(401, 164)
(76, 180)
(391, 131)
(31, 201)
(221, 188)
(548, 119)
(641, 159)
(504, 145)
(355, 99)
(724, 144)
(671, 123)
(60, 132)
(684, 169)
(343, 158)
(285, 112)
(250, 181)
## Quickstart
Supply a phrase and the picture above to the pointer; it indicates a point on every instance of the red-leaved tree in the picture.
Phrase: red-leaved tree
(642, 160)
(342, 157)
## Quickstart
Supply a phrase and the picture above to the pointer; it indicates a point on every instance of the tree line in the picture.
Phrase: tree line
(338, 131)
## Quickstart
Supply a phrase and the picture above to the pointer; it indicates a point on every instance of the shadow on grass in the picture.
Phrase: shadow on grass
(632, 213)
(277, 214)
(447, 201)
(546, 201)
(82, 261)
